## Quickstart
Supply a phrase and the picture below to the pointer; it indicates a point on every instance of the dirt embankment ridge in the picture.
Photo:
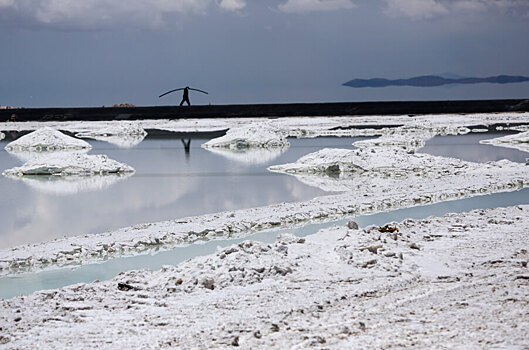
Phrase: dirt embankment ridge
(265, 110)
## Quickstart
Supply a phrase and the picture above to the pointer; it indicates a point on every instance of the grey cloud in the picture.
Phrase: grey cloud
(95, 14)
(232, 5)
(424, 9)
(302, 6)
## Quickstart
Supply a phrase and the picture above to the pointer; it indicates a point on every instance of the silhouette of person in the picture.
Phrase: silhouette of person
(185, 97)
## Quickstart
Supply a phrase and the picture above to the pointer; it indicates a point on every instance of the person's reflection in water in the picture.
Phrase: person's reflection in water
(187, 146)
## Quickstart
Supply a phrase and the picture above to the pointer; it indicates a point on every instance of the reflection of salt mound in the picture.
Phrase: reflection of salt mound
(67, 185)
(518, 141)
(255, 135)
(46, 139)
(70, 164)
(121, 135)
(250, 155)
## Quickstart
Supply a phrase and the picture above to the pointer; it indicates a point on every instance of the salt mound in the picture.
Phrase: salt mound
(2, 135)
(70, 164)
(391, 161)
(518, 141)
(46, 139)
(254, 135)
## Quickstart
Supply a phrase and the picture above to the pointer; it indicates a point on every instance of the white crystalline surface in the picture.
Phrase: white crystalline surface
(457, 281)
(518, 141)
(257, 135)
(386, 161)
(2, 135)
(70, 164)
(46, 139)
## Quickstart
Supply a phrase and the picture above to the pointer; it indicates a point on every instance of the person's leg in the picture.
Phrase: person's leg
(181, 103)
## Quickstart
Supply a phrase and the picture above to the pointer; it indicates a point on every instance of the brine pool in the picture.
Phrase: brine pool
(171, 182)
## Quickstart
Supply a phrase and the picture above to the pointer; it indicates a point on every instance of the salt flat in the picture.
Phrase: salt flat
(456, 281)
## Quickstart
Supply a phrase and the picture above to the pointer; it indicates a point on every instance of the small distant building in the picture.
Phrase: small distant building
(5, 107)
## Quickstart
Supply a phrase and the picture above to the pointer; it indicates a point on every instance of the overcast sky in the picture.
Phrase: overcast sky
(102, 52)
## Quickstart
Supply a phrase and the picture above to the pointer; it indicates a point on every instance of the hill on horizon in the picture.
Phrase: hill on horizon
(433, 80)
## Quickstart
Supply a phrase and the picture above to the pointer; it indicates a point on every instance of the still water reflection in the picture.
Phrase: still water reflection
(173, 179)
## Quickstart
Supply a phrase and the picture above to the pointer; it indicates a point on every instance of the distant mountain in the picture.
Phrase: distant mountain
(433, 80)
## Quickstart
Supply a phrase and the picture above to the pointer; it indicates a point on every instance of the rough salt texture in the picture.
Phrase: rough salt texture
(70, 164)
(46, 139)
(376, 161)
(255, 135)
(458, 281)
(518, 141)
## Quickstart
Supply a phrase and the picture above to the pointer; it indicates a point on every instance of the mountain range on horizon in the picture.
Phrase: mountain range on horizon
(433, 80)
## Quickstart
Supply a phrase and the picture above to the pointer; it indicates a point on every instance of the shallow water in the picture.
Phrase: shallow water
(168, 184)
(27, 283)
